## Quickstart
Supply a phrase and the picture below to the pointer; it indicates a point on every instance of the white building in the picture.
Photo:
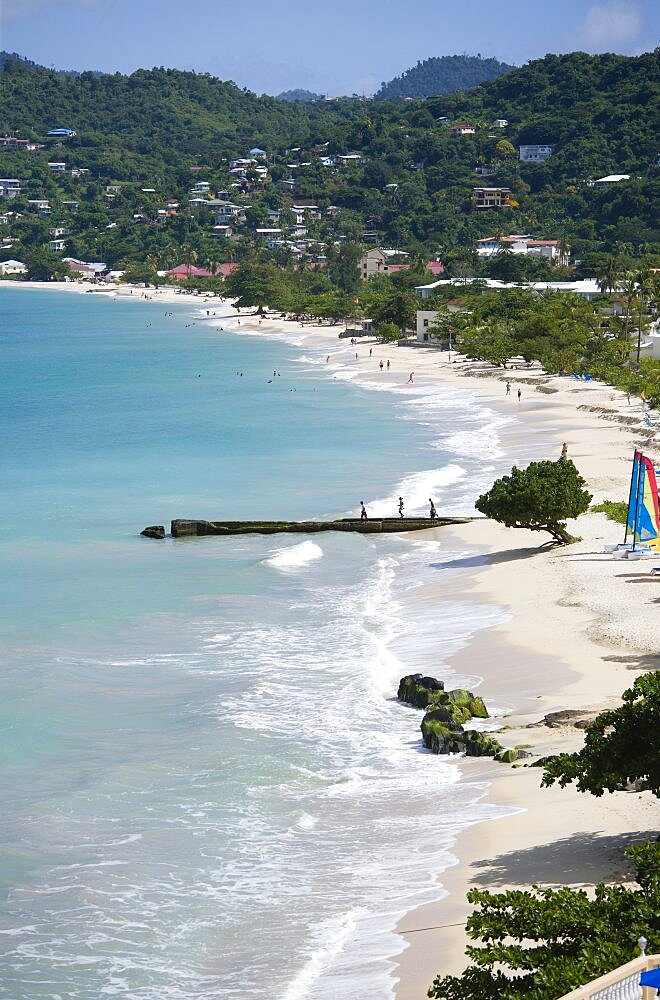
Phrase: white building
(553, 250)
(587, 288)
(12, 267)
(500, 123)
(535, 153)
(611, 179)
(380, 261)
(10, 187)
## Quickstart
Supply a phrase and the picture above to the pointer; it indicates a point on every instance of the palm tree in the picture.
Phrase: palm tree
(611, 277)
(189, 257)
(644, 291)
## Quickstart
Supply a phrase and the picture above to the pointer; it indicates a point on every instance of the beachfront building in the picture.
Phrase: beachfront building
(491, 197)
(380, 261)
(535, 153)
(553, 250)
(10, 268)
(426, 318)
(587, 288)
(84, 268)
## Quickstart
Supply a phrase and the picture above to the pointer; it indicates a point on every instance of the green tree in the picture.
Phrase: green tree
(343, 267)
(621, 745)
(540, 498)
(492, 342)
(542, 943)
(611, 276)
(44, 265)
(505, 148)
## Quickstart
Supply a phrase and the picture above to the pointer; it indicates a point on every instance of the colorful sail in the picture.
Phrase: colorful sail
(644, 509)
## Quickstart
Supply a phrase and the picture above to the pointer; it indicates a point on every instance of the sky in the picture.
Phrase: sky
(331, 47)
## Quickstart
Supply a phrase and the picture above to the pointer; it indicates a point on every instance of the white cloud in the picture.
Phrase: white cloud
(614, 24)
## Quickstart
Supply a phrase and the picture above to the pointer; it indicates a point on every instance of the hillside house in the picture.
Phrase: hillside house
(349, 158)
(57, 246)
(500, 123)
(11, 142)
(61, 133)
(491, 197)
(535, 153)
(11, 187)
(553, 250)
(605, 181)
(41, 206)
(381, 261)
(463, 129)
(57, 166)
(72, 206)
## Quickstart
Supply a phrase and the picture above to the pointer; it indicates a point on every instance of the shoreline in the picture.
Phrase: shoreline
(578, 632)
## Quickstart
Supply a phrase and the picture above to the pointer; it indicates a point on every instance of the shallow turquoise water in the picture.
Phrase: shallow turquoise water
(205, 786)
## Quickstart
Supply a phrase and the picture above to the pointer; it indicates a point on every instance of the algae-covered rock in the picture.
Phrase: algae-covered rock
(441, 737)
(418, 690)
(480, 744)
(508, 756)
(470, 701)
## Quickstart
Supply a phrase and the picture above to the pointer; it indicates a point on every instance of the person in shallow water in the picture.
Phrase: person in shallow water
(363, 511)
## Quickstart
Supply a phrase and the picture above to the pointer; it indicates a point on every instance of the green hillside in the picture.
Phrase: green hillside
(409, 182)
(442, 75)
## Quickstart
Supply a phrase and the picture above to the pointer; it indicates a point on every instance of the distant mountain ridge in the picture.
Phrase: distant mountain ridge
(299, 94)
(442, 75)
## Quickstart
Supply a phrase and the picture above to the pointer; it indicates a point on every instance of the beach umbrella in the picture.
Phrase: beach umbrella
(651, 978)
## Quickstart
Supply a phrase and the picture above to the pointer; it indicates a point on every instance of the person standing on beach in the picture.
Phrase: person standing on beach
(400, 506)
(433, 512)
(508, 388)
(519, 394)
(381, 364)
(363, 511)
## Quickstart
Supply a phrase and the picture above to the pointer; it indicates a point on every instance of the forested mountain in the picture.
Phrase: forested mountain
(442, 75)
(408, 178)
(299, 95)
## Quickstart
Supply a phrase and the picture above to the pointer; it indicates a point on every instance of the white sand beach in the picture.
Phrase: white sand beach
(582, 627)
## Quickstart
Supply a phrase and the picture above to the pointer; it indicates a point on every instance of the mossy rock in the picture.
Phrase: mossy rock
(508, 756)
(480, 744)
(473, 702)
(418, 690)
(450, 715)
(440, 737)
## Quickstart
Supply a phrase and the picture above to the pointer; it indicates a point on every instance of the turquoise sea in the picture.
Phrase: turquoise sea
(207, 788)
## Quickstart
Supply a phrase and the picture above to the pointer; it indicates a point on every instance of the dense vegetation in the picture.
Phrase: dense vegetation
(299, 94)
(411, 187)
(542, 943)
(442, 75)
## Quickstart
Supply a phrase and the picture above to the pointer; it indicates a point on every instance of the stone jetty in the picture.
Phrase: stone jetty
(182, 528)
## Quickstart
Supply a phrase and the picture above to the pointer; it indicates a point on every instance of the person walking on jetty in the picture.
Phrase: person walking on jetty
(433, 512)
(400, 506)
(564, 450)
(363, 511)
(411, 377)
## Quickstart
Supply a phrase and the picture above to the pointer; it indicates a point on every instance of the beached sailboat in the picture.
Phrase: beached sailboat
(642, 535)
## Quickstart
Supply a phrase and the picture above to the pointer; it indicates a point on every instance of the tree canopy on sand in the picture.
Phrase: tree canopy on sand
(542, 943)
(540, 498)
(621, 746)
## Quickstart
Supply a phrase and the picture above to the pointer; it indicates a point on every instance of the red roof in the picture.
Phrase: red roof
(393, 268)
(435, 267)
(184, 271)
